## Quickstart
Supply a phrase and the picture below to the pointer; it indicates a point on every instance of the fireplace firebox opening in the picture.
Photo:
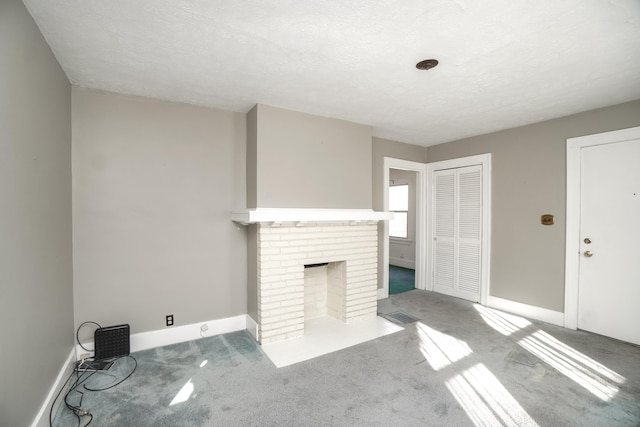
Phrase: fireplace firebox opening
(324, 290)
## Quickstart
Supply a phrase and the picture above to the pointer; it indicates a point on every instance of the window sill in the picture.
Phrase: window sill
(400, 241)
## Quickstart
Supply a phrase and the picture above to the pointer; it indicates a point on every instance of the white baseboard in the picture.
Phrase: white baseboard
(42, 418)
(401, 262)
(383, 293)
(177, 334)
(143, 341)
(252, 327)
(526, 310)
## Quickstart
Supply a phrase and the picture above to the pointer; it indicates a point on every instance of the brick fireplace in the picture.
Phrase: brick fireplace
(340, 251)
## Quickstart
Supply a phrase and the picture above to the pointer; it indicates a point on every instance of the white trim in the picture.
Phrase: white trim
(400, 241)
(420, 169)
(401, 262)
(42, 417)
(177, 334)
(526, 310)
(280, 215)
(252, 327)
(485, 161)
(572, 239)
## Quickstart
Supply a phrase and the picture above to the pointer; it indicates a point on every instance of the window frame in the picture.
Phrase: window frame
(404, 238)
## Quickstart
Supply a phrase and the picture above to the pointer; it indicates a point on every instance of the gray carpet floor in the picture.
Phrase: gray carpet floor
(458, 365)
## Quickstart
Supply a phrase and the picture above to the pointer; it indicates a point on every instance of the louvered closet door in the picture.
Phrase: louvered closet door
(444, 263)
(458, 232)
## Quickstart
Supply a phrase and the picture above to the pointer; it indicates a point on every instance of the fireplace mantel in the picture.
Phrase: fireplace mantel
(302, 216)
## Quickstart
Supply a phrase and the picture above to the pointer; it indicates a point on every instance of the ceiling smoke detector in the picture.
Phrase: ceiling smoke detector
(427, 64)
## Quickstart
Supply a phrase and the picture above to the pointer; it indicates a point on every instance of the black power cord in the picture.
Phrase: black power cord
(80, 381)
(135, 366)
(78, 331)
(56, 398)
(77, 409)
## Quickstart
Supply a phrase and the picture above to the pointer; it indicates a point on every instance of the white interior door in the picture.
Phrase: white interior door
(609, 277)
(457, 232)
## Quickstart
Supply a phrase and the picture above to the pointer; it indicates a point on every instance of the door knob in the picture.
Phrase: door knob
(588, 254)
(587, 240)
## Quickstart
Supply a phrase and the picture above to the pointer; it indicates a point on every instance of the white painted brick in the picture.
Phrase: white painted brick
(316, 255)
(276, 312)
(268, 237)
(268, 251)
(268, 278)
(369, 292)
(272, 286)
(361, 276)
(294, 334)
(364, 290)
(291, 263)
(283, 323)
(283, 317)
(278, 244)
(361, 316)
(355, 290)
(290, 256)
(292, 328)
(290, 250)
(281, 296)
(266, 265)
(282, 337)
(265, 307)
(363, 264)
(278, 335)
(361, 306)
(273, 273)
(299, 317)
(285, 249)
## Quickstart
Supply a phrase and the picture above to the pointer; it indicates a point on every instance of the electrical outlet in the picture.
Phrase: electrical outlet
(169, 319)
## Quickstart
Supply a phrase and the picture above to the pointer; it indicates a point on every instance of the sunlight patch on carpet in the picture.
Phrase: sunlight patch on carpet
(588, 373)
(486, 401)
(184, 393)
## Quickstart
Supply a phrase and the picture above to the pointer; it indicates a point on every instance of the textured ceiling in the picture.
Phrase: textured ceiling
(503, 63)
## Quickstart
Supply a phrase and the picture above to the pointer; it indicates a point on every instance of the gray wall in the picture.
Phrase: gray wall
(306, 161)
(36, 299)
(252, 158)
(154, 185)
(382, 148)
(528, 180)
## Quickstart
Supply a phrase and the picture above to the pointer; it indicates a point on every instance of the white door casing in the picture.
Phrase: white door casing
(459, 200)
(603, 205)
(420, 266)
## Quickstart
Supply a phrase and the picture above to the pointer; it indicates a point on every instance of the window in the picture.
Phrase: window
(399, 205)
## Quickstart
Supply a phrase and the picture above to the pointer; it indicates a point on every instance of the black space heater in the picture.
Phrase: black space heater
(111, 342)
